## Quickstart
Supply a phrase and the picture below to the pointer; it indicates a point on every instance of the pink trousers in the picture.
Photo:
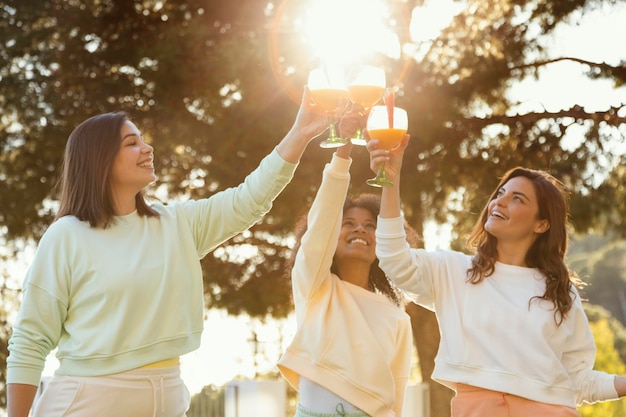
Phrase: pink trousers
(478, 402)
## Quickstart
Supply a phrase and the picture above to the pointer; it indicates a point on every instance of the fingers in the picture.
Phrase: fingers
(392, 158)
(344, 151)
(348, 125)
(378, 156)
(306, 97)
(351, 121)
(404, 143)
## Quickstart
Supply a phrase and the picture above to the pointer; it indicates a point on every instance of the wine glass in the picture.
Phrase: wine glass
(388, 127)
(366, 88)
(328, 91)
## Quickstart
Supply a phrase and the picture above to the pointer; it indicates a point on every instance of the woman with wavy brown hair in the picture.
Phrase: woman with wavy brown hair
(515, 340)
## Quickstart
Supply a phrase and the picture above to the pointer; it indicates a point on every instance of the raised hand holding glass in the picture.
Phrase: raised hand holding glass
(330, 93)
(366, 88)
(388, 129)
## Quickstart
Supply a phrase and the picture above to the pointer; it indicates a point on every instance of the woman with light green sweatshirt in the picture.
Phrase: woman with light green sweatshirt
(116, 283)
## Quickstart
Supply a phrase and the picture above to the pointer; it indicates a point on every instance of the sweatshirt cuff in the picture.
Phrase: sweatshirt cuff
(608, 388)
(339, 166)
(28, 376)
(285, 169)
(390, 227)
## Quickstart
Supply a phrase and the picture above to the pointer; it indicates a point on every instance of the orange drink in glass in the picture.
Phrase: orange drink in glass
(366, 88)
(387, 138)
(329, 92)
(327, 98)
(365, 95)
(388, 129)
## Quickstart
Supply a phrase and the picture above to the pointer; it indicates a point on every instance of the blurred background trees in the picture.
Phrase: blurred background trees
(214, 85)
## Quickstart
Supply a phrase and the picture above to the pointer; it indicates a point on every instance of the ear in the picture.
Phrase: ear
(542, 226)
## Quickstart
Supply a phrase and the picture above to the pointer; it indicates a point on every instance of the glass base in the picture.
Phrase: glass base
(333, 142)
(379, 182)
(358, 138)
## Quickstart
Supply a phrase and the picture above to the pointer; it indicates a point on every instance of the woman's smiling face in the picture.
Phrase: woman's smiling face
(133, 167)
(357, 237)
(514, 212)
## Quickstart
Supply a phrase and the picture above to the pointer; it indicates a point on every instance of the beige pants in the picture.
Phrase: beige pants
(477, 402)
(137, 393)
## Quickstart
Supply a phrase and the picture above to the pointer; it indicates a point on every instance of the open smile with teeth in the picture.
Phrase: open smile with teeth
(499, 215)
(358, 240)
(147, 164)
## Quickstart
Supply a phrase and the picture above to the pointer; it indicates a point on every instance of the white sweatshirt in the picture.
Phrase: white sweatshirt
(492, 335)
(351, 341)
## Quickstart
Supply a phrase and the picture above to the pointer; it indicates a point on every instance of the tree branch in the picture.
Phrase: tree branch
(617, 72)
(602, 65)
(610, 116)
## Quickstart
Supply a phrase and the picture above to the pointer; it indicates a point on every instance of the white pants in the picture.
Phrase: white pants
(138, 393)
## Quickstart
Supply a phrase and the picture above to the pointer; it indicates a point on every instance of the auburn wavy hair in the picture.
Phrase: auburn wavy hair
(547, 252)
(378, 281)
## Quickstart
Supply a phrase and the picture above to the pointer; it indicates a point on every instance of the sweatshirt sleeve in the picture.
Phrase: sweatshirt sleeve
(215, 219)
(319, 242)
(43, 309)
(401, 363)
(412, 270)
(591, 385)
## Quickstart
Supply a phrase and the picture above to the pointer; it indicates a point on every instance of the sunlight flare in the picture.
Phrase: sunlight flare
(348, 30)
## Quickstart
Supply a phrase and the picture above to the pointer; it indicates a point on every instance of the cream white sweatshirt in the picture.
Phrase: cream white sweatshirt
(492, 335)
(353, 342)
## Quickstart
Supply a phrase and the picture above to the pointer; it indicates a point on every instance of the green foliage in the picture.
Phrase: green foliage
(214, 87)
(608, 360)
(603, 270)
(4, 353)
(215, 84)
(209, 402)
(597, 313)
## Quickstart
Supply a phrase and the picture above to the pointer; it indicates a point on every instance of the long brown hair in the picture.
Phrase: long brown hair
(378, 281)
(548, 251)
(89, 154)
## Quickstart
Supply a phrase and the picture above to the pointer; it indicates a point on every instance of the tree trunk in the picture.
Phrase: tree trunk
(426, 337)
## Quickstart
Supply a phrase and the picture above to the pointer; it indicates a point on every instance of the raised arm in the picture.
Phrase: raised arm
(390, 200)
(310, 122)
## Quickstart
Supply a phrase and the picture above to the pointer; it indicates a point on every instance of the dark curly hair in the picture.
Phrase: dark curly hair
(378, 281)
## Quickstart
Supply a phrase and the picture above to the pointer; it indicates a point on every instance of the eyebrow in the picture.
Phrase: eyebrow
(519, 193)
(129, 135)
(372, 221)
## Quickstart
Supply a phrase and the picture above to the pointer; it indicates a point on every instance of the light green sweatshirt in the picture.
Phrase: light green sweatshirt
(119, 298)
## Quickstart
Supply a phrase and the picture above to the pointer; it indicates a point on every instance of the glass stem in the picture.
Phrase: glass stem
(332, 133)
(381, 171)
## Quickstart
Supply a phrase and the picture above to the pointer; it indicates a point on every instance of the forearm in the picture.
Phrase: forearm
(620, 385)
(390, 200)
(20, 399)
(390, 206)
(293, 145)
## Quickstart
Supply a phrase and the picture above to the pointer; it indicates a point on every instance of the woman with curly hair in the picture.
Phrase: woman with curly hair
(515, 340)
(351, 352)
